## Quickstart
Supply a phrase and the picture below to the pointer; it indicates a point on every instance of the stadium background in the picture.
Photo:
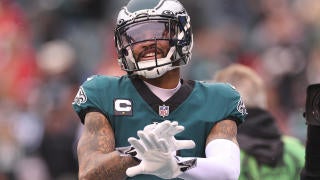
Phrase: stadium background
(48, 47)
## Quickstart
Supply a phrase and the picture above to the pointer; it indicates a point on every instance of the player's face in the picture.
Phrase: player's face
(150, 49)
(149, 40)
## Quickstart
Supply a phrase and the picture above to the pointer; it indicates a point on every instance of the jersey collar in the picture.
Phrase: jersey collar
(173, 102)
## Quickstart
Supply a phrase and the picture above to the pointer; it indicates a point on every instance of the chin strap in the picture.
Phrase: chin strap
(157, 71)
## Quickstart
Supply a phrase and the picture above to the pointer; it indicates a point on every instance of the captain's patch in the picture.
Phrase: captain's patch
(122, 107)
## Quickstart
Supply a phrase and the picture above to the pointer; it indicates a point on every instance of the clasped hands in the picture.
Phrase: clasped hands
(156, 149)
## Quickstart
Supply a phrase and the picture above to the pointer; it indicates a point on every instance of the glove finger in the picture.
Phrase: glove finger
(150, 127)
(173, 124)
(135, 170)
(185, 144)
(145, 138)
(164, 145)
(155, 141)
(137, 145)
(173, 130)
(161, 128)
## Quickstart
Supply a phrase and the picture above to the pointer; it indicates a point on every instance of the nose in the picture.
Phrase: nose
(147, 44)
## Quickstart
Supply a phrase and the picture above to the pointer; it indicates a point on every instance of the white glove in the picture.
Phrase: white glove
(156, 159)
(167, 130)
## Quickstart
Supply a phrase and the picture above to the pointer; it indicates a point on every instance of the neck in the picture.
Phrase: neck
(169, 80)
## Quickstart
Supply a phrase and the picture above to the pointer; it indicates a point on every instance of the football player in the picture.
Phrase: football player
(153, 40)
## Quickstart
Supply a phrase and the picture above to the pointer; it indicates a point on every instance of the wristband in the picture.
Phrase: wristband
(186, 164)
(128, 151)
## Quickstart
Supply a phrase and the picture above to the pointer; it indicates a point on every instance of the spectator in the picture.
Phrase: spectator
(56, 61)
(266, 153)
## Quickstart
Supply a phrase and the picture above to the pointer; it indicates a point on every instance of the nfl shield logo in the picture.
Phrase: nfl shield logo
(163, 110)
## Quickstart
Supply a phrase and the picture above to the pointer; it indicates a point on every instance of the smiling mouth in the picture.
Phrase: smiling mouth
(150, 54)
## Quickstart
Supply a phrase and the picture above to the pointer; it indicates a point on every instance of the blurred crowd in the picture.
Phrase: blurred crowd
(49, 47)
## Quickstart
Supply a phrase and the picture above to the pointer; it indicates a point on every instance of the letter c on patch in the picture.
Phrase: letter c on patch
(122, 107)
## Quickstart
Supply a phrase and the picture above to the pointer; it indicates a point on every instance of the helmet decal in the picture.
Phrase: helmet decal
(137, 5)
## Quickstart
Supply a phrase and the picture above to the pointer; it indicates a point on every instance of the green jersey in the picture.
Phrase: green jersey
(129, 105)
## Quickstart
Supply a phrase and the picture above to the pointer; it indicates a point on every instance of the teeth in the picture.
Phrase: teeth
(150, 54)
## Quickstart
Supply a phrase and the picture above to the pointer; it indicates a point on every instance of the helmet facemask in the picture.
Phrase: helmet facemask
(167, 44)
